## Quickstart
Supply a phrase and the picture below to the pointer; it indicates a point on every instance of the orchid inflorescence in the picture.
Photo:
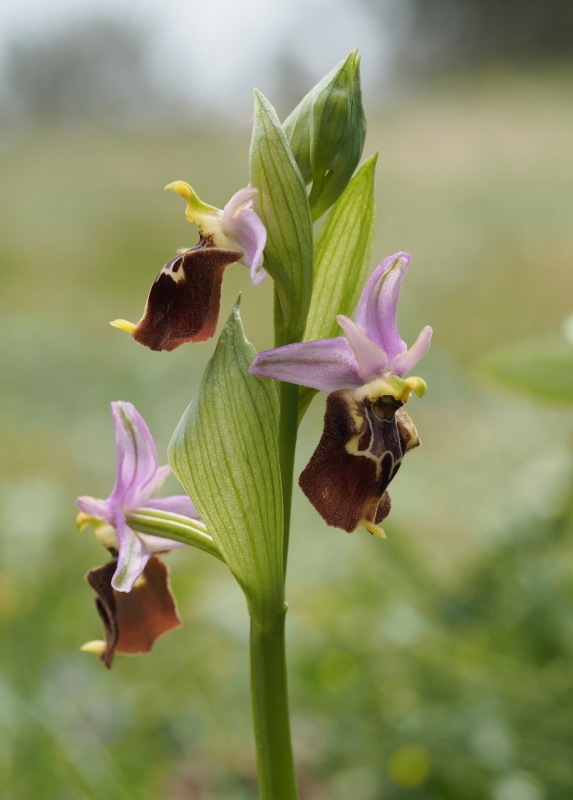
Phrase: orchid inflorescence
(250, 404)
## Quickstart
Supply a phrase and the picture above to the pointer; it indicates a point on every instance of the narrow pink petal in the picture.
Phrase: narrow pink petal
(158, 480)
(132, 558)
(405, 362)
(243, 227)
(175, 504)
(251, 236)
(371, 360)
(326, 365)
(136, 457)
(95, 508)
(240, 200)
(258, 274)
(158, 544)
(376, 312)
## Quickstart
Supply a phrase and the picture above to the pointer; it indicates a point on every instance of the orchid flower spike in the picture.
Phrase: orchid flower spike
(183, 303)
(366, 431)
(133, 594)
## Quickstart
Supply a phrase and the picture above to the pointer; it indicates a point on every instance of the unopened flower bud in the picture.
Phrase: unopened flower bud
(326, 132)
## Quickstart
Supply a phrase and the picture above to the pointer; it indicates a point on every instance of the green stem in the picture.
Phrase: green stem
(288, 428)
(269, 694)
(174, 526)
(275, 765)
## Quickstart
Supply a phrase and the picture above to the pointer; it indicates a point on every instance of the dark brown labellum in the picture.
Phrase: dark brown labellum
(133, 620)
(360, 451)
(183, 304)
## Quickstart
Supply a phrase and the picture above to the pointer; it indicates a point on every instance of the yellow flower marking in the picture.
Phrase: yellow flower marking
(97, 647)
(124, 325)
(375, 530)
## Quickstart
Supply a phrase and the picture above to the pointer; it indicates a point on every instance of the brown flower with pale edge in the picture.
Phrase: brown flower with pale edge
(133, 620)
(361, 449)
(366, 434)
(183, 304)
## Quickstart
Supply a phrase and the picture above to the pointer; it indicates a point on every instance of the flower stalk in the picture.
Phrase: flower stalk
(288, 429)
(269, 697)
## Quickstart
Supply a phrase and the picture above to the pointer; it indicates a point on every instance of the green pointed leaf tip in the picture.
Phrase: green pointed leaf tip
(327, 131)
(224, 452)
(541, 370)
(282, 204)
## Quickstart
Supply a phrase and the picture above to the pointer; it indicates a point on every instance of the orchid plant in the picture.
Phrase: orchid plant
(244, 422)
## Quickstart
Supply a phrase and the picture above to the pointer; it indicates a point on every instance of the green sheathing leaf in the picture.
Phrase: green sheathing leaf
(224, 452)
(542, 370)
(282, 204)
(342, 255)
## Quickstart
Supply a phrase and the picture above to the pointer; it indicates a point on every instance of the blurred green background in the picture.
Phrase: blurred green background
(436, 665)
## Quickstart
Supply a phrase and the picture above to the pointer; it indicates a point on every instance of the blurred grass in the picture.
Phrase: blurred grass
(435, 665)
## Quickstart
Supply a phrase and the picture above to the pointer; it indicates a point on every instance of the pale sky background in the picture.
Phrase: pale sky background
(224, 47)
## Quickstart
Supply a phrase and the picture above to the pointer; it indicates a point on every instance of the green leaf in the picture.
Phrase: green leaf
(542, 370)
(282, 205)
(342, 255)
(224, 452)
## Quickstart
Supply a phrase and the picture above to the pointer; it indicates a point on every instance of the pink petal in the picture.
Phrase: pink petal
(95, 508)
(243, 227)
(136, 457)
(175, 504)
(132, 558)
(158, 480)
(159, 544)
(240, 200)
(376, 312)
(326, 365)
(405, 362)
(371, 360)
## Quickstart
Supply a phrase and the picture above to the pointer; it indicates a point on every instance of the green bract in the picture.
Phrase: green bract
(341, 256)
(327, 131)
(224, 452)
(282, 205)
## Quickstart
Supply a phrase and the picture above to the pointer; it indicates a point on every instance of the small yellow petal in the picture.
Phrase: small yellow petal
(106, 535)
(416, 385)
(181, 188)
(124, 325)
(196, 211)
(97, 647)
(82, 521)
(375, 530)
